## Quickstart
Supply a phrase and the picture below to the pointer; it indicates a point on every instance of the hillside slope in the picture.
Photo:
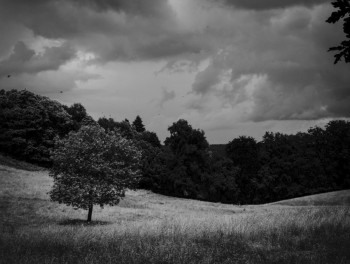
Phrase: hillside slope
(337, 198)
(151, 228)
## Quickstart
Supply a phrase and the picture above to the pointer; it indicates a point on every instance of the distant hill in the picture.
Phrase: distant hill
(340, 198)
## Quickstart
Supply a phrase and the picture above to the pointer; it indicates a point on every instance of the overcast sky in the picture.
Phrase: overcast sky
(229, 67)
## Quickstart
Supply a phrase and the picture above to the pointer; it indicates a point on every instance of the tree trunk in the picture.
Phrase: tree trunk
(90, 212)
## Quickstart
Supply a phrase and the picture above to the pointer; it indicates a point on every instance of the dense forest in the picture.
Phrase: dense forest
(29, 123)
(243, 171)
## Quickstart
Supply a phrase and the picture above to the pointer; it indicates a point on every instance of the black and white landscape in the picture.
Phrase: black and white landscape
(174, 131)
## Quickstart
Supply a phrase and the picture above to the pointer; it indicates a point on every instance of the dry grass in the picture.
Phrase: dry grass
(331, 198)
(151, 228)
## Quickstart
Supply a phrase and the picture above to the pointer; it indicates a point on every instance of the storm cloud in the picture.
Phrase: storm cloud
(250, 61)
(25, 60)
(278, 69)
(270, 4)
(112, 30)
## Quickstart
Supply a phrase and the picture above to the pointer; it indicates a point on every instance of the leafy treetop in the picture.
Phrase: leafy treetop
(184, 139)
(29, 123)
(139, 127)
(93, 167)
(342, 12)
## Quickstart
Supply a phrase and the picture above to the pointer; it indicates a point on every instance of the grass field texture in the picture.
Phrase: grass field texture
(151, 228)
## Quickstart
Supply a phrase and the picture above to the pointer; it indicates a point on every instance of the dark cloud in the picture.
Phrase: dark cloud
(279, 69)
(270, 4)
(112, 30)
(268, 64)
(135, 7)
(25, 60)
(165, 47)
(206, 80)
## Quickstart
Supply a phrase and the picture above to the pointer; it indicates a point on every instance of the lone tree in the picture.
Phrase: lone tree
(92, 166)
(342, 12)
(139, 127)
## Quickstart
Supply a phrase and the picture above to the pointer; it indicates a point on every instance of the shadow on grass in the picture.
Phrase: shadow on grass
(80, 222)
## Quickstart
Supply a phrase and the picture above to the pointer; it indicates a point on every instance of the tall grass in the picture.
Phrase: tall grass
(286, 235)
(149, 228)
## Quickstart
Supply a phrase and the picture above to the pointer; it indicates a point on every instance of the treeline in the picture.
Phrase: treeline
(279, 167)
(185, 167)
(285, 166)
(243, 171)
(29, 123)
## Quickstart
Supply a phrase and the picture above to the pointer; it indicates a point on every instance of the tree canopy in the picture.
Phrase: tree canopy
(342, 12)
(124, 127)
(78, 115)
(279, 167)
(186, 168)
(28, 125)
(138, 124)
(243, 151)
(93, 167)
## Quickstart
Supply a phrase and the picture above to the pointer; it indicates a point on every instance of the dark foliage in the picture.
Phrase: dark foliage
(107, 123)
(29, 123)
(279, 167)
(146, 141)
(78, 115)
(218, 149)
(151, 138)
(188, 162)
(185, 167)
(123, 127)
(243, 171)
(138, 124)
(286, 166)
(152, 166)
(342, 12)
(243, 152)
(92, 167)
(222, 184)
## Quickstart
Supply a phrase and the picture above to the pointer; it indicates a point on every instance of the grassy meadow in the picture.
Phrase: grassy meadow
(151, 228)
